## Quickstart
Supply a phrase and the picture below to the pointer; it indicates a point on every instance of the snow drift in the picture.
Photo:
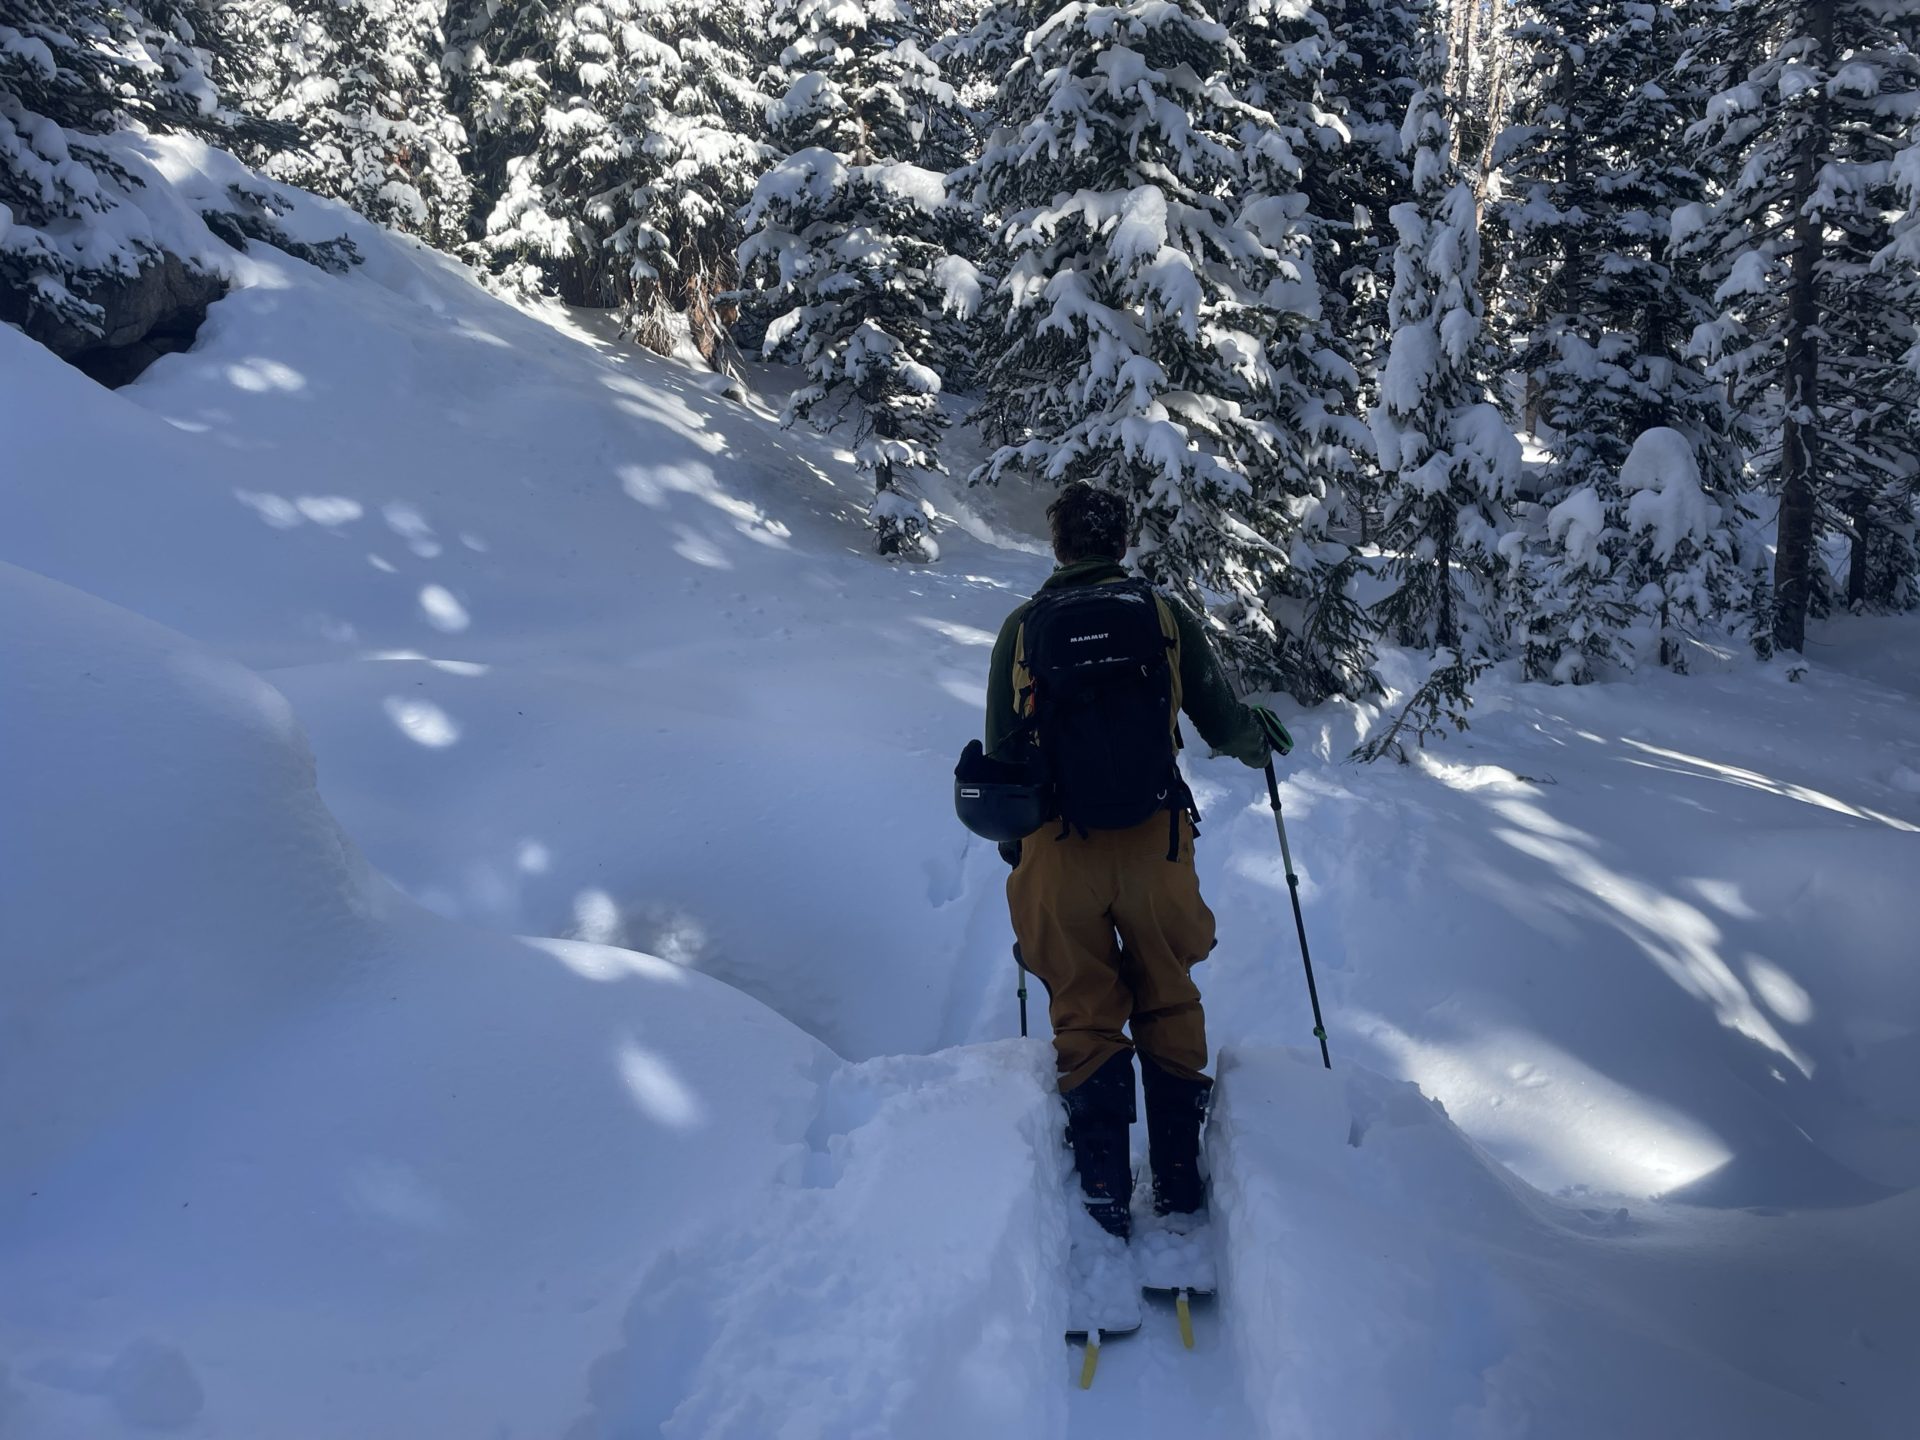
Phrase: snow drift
(172, 879)
(270, 1125)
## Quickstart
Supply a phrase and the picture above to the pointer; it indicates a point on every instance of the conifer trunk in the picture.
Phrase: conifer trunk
(1799, 433)
(1656, 332)
(1858, 552)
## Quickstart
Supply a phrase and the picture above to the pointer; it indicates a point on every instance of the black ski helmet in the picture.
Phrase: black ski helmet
(998, 800)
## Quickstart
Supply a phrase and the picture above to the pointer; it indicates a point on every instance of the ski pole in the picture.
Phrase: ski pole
(1020, 961)
(1293, 889)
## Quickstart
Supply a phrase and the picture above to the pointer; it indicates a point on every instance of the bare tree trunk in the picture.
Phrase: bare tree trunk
(1499, 61)
(1793, 552)
(1459, 58)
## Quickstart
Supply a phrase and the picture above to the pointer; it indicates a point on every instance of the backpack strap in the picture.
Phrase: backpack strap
(1182, 804)
(1170, 628)
(1023, 703)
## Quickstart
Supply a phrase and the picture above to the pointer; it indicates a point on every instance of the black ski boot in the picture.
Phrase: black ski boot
(1175, 1108)
(1099, 1113)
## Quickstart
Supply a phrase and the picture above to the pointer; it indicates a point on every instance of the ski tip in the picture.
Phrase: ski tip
(1186, 1320)
(1090, 1362)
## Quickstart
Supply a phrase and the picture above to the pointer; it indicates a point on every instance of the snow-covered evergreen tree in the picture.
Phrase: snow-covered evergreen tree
(1903, 245)
(976, 42)
(1898, 580)
(362, 82)
(566, 199)
(1156, 271)
(1449, 457)
(855, 258)
(1589, 171)
(1355, 174)
(1815, 99)
(854, 245)
(858, 80)
(1295, 146)
(703, 149)
(70, 71)
(649, 143)
(1677, 562)
(498, 61)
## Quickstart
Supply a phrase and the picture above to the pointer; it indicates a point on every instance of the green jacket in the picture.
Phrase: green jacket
(1223, 722)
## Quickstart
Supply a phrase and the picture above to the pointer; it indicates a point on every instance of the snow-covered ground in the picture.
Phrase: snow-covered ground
(297, 1145)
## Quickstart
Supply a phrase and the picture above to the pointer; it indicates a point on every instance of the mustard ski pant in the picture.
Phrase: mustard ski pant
(1112, 928)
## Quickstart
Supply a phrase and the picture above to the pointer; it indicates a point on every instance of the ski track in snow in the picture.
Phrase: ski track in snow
(1623, 1135)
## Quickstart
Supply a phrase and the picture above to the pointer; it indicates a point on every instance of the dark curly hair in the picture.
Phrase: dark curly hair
(1088, 523)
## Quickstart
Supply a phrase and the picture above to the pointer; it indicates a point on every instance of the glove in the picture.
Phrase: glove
(1010, 852)
(1277, 738)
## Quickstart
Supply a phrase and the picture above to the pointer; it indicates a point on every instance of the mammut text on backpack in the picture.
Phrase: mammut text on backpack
(1099, 691)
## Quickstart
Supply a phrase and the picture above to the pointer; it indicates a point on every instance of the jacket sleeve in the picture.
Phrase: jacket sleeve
(1223, 722)
(1000, 716)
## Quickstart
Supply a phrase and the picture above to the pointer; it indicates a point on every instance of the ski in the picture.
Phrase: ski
(1090, 1342)
(1103, 1301)
(1176, 1263)
(1182, 1297)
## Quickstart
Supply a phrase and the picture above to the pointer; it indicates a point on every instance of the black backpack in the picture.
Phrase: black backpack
(1100, 700)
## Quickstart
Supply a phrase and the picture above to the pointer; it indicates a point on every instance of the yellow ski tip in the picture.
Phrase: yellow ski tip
(1090, 1363)
(1186, 1319)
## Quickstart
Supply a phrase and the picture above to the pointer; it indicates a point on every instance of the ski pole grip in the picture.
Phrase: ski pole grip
(1273, 787)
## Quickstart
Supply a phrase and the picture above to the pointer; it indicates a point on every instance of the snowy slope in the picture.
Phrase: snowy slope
(390, 464)
(584, 650)
(270, 1125)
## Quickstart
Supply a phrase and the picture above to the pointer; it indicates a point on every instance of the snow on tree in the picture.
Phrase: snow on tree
(1903, 246)
(854, 245)
(1815, 100)
(361, 81)
(1589, 170)
(1355, 174)
(702, 150)
(1894, 576)
(649, 143)
(854, 255)
(70, 71)
(978, 40)
(497, 63)
(975, 41)
(858, 79)
(1296, 148)
(1158, 289)
(1679, 552)
(1449, 457)
(566, 199)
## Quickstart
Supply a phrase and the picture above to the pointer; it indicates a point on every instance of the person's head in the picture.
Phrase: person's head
(1088, 524)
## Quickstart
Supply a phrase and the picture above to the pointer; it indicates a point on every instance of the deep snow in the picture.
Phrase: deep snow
(300, 1145)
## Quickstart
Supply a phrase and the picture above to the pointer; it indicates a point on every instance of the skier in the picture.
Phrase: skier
(1089, 678)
